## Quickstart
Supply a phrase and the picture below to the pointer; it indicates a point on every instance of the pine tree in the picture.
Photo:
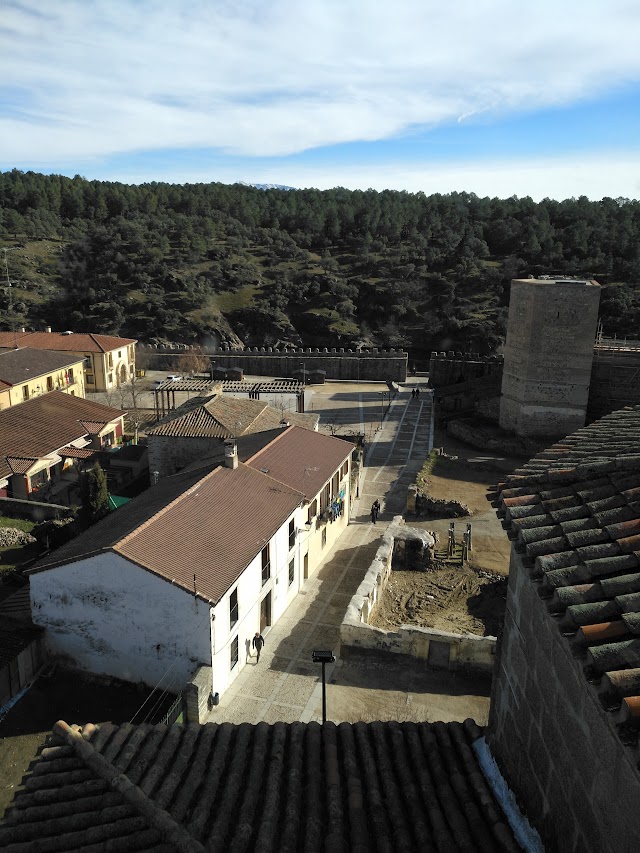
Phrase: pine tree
(95, 497)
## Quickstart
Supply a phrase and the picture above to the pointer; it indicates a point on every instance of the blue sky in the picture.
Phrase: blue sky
(487, 96)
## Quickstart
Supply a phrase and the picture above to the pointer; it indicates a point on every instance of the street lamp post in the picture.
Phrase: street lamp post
(323, 656)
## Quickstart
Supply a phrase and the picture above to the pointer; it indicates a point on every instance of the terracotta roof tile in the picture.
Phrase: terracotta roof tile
(23, 364)
(590, 575)
(303, 459)
(356, 787)
(78, 342)
(225, 417)
(44, 424)
(195, 517)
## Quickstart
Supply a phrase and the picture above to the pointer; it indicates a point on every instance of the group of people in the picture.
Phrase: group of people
(375, 510)
(415, 392)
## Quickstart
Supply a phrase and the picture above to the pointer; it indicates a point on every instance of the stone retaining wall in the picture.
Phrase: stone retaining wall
(196, 695)
(439, 649)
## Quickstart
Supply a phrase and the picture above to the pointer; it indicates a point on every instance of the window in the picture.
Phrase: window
(119, 353)
(234, 652)
(292, 571)
(110, 378)
(266, 565)
(313, 511)
(49, 383)
(37, 481)
(324, 536)
(25, 392)
(71, 380)
(233, 608)
(110, 360)
(345, 470)
(335, 483)
(292, 533)
(325, 497)
(90, 379)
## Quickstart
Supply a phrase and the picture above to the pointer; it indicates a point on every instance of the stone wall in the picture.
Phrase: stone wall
(196, 695)
(438, 649)
(548, 354)
(362, 365)
(615, 379)
(170, 453)
(449, 368)
(554, 743)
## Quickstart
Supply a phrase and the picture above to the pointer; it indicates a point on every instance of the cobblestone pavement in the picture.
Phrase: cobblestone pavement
(285, 685)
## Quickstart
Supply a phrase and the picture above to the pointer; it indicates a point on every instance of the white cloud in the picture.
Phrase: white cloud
(273, 78)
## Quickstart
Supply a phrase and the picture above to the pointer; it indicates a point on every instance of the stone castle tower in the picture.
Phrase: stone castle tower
(548, 354)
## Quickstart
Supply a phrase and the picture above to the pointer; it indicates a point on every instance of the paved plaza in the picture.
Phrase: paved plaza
(285, 685)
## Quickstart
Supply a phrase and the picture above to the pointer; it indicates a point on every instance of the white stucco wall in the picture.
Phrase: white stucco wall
(250, 595)
(109, 616)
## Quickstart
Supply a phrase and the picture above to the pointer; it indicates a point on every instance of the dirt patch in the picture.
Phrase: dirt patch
(447, 598)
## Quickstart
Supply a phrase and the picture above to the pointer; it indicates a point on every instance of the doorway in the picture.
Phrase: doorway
(306, 566)
(265, 612)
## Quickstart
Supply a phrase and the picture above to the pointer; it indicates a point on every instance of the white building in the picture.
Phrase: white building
(189, 571)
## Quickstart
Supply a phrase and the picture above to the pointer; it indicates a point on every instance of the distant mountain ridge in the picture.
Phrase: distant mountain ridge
(266, 186)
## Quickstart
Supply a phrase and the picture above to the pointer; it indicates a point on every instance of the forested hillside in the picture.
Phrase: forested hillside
(332, 268)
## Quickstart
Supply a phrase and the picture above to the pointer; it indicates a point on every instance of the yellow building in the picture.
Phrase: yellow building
(108, 361)
(27, 373)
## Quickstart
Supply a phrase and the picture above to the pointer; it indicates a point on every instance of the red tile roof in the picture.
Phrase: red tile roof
(78, 342)
(192, 524)
(270, 788)
(23, 364)
(44, 424)
(223, 417)
(574, 511)
(302, 458)
(76, 452)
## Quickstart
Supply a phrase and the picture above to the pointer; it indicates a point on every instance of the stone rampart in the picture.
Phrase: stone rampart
(356, 365)
(449, 368)
(438, 649)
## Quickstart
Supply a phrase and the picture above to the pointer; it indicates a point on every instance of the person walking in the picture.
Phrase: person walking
(374, 514)
(258, 643)
(376, 507)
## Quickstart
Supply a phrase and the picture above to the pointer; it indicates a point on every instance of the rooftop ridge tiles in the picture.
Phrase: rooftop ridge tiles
(156, 817)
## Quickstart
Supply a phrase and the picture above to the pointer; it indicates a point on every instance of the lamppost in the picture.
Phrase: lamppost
(323, 656)
(304, 374)
(382, 393)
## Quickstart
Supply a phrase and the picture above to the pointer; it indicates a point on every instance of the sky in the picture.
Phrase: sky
(495, 97)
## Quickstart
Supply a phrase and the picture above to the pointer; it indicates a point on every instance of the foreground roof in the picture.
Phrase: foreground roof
(75, 342)
(302, 459)
(191, 524)
(20, 365)
(574, 511)
(44, 424)
(224, 417)
(283, 788)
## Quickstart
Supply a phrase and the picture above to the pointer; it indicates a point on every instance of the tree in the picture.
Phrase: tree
(194, 361)
(94, 494)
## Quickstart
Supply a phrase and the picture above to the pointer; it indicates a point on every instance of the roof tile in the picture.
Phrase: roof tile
(298, 786)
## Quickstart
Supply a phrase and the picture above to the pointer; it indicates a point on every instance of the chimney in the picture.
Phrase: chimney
(230, 454)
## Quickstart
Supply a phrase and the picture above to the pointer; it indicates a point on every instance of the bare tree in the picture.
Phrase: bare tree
(193, 361)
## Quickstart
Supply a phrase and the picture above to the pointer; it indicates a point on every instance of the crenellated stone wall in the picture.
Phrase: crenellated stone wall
(449, 368)
(357, 365)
